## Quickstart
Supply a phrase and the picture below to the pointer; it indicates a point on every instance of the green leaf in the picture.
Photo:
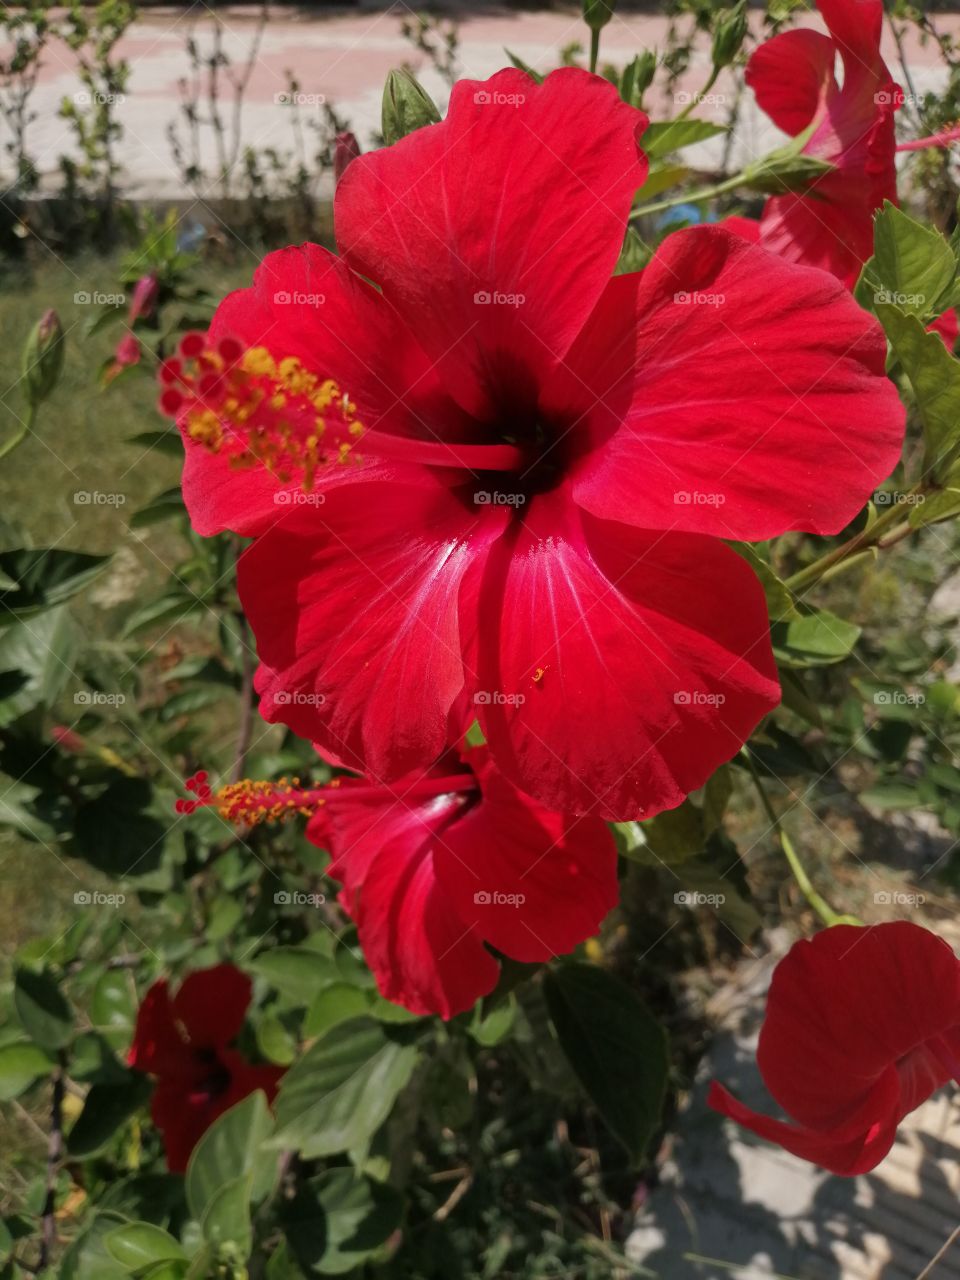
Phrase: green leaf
(911, 268)
(43, 650)
(43, 578)
(227, 1215)
(165, 442)
(935, 378)
(343, 1088)
(231, 1148)
(672, 836)
(339, 1219)
(106, 1108)
(787, 168)
(814, 638)
(616, 1047)
(892, 795)
(141, 1244)
(336, 1003)
(115, 832)
(163, 506)
(296, 972)
(663, 136)
(275, 1042)
(113, 1008)
(524, 66)
(780, 602)
(20, 1064)
(42, 1009)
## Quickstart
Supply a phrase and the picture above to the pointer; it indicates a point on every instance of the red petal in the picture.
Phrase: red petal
(181, 1123)
(353, 336)
(855, 25)
(618, 667)
(212, 1004)
(791, 75)
(355, 610)
(845, 1156)
(422, 954)
(158, 1046)
(531, 882)
(726, 408)
(519, 197)
(845, 1007)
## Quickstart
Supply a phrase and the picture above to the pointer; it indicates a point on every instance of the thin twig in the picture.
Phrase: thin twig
(54, 1156)
(954, 1235)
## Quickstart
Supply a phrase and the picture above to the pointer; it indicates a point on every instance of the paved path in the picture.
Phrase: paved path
(344, 58)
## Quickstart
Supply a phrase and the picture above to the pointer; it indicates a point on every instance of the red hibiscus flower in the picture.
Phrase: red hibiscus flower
(184, 1041)
(443, 862)
(440, 863)
(550, 457)
(862, 1025)
(831, 224)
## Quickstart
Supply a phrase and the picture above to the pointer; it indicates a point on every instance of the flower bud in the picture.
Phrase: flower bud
(347, 148)
(597, 13)
(406, 106)
(728, 34)
(43, 358)
(638, 76)
(144, 298)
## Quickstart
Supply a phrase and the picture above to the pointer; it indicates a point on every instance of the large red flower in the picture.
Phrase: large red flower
(184, 1040)
(551, 457)
(830, 225)
(862, 1025)
(443, 862)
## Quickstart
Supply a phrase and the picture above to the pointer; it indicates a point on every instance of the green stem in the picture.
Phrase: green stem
(594, 47)
(819, 904)
(691, 197)
(868, 537)
(19, 436)
(695, 101)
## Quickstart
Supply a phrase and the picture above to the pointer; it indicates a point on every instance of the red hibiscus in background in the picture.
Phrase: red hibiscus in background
(184, 1040)
(551, 457)
(444, 861)
(862, 1025)
(831, 224)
